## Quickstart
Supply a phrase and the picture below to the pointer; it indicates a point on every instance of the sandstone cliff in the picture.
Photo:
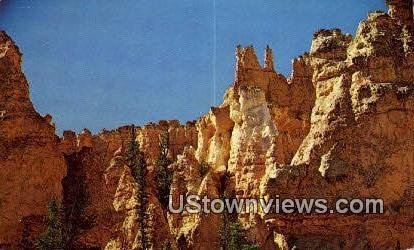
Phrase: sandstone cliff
(341, 126)
(31, 165)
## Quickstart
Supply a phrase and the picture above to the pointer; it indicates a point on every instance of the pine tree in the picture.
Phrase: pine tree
(135, 160)
(164, 174)
(54, 236)
(232, 235)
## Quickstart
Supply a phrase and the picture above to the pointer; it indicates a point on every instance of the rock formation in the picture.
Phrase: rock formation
(360, 142)
(32, 166)
(341, 126)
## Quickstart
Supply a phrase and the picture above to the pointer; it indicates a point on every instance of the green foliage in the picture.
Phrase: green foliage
(54, 237)
(203, 168)
(135, 160)
(65, 221)
(163, 172)
(224, 234)
(231, 233)
(250, 247)
(237, 235)
(233, 237)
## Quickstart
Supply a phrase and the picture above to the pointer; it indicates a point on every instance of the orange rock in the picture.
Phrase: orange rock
(340, 126)
(31, 165)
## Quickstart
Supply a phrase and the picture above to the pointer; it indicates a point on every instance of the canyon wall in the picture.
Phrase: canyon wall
(31, 165)
(341, 126)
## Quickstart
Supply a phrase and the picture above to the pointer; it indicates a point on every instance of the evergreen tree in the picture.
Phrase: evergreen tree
(135, 160)
(54, 236)
(232, 235)
(164, 174)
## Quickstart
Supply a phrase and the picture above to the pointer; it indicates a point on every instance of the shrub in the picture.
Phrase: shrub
(54, 236)
(233, 237)
(163, 172)
(135, 160)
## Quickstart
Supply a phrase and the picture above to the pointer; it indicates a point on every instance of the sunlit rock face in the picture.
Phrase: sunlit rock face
(341, 126)
(360, 142)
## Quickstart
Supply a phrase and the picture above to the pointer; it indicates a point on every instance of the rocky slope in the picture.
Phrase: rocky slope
(341, 126)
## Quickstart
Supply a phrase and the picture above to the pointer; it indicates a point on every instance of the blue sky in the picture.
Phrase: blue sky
(102, 64)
